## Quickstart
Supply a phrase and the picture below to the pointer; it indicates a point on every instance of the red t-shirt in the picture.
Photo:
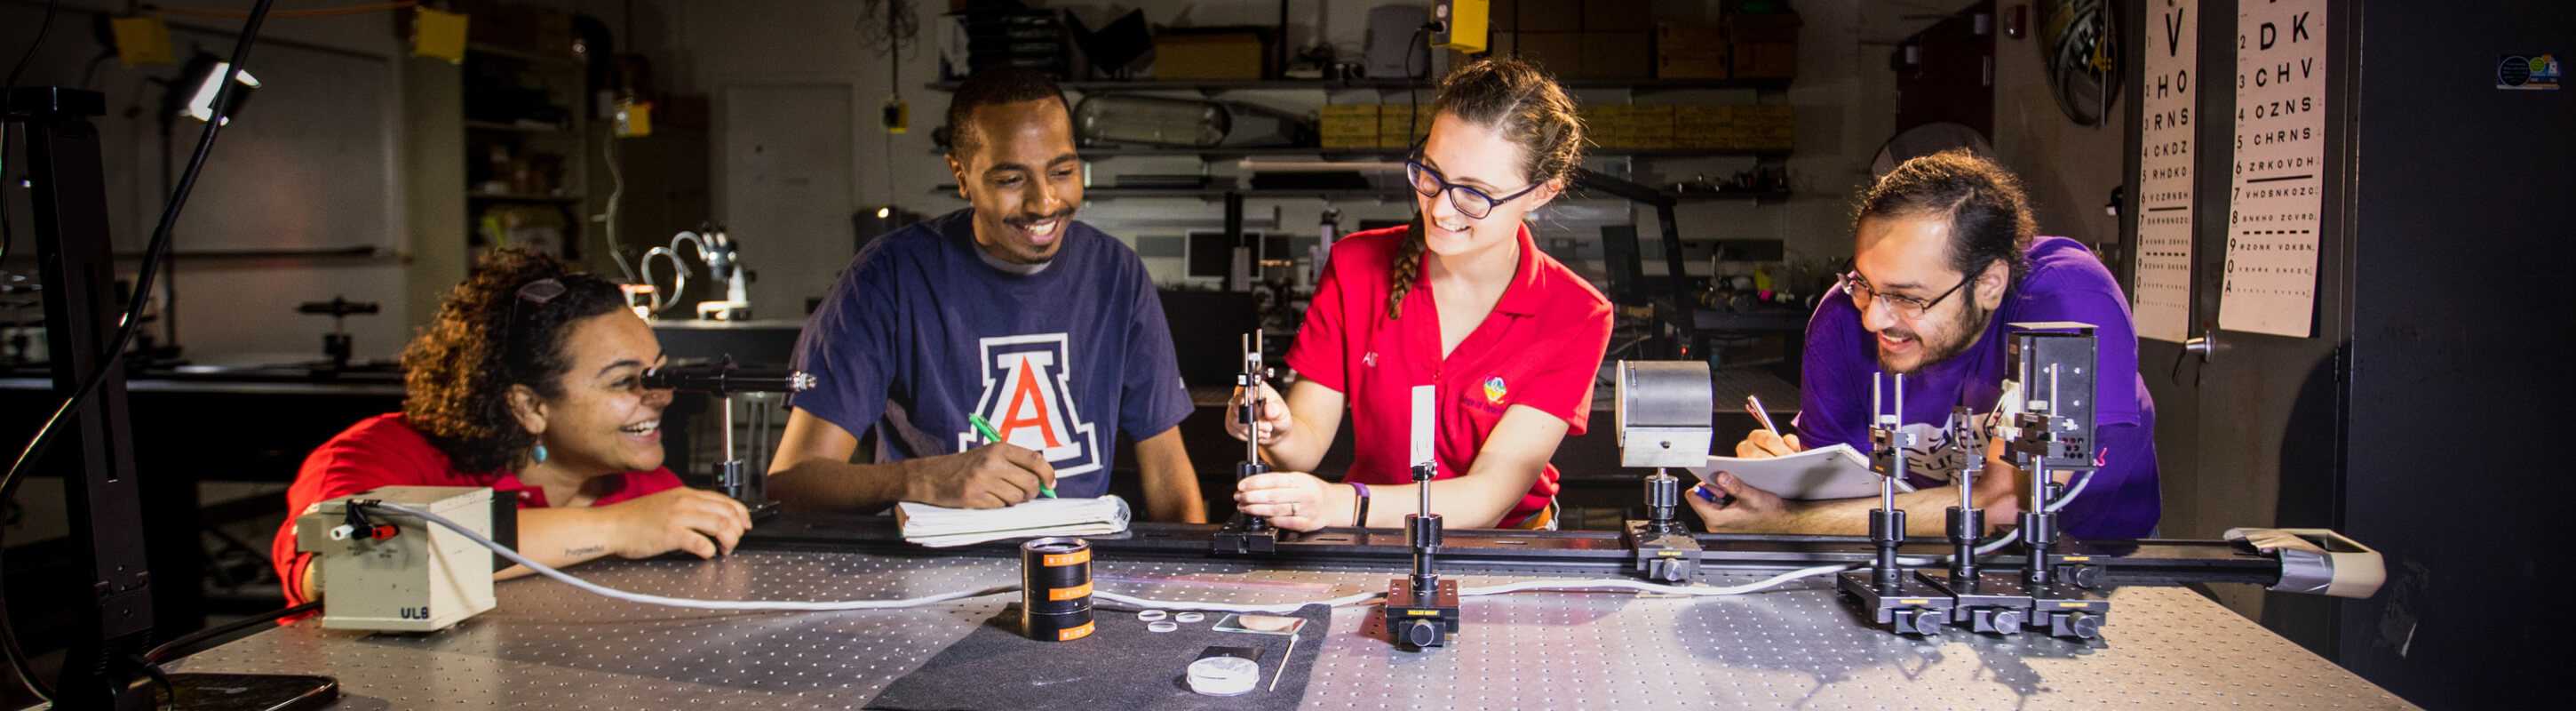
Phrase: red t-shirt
(385, 451)
(1540, 347)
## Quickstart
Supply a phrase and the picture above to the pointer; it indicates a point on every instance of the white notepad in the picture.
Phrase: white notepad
(943, 527)
(1836, 472)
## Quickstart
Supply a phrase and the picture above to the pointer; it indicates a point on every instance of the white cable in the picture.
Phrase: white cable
(1693, 590)
(2061, 501)
(1282, 608)
(608, 218)
(738, 605)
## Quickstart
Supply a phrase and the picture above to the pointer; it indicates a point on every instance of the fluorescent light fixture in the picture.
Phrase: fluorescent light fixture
(201, 106)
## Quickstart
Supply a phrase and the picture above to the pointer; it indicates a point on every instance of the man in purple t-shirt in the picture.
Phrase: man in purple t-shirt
(1944, 256)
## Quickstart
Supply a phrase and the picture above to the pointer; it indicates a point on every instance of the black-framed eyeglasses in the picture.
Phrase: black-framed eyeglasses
(1905, 307)
(1475, 203)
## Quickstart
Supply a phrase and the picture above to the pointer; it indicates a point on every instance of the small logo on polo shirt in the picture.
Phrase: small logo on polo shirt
(1494, 390)
(1369, 360)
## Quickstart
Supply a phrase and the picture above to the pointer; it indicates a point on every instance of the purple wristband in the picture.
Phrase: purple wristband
(1359, 506)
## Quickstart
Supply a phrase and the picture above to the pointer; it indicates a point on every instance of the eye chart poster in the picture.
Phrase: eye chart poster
(2162, 294)
(2277, 194)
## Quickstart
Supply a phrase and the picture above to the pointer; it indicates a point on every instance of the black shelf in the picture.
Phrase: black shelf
(472, 125)
(1647, 85)
(521, 54)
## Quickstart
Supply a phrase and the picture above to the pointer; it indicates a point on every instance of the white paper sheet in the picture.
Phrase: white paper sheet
(2277, 195)
(1836, 472)
(2161, 298)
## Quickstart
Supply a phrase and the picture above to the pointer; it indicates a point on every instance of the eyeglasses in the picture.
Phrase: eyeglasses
(1475, 203)
(1904, 307)
(537, 292)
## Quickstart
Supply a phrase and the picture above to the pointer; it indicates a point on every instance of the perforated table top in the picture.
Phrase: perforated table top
(551, 646)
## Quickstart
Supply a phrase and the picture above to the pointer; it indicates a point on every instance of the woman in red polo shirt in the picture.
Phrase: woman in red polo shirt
(529, 381)
(1460, 300)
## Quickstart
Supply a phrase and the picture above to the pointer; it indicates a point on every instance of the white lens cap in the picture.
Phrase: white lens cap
(1224, 676)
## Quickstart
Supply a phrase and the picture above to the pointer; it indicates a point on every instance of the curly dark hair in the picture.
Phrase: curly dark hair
(487, 337)
(1989, 214)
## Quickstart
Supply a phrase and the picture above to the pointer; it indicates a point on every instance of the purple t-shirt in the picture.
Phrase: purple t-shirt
(2065, 283)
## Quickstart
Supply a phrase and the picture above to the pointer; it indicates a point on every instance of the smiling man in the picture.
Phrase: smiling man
(1008, 310)
(1944, 256)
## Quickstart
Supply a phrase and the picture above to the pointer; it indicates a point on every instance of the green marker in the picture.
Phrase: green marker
(986, 429)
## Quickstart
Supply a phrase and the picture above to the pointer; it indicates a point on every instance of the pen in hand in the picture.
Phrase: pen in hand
(986, 429)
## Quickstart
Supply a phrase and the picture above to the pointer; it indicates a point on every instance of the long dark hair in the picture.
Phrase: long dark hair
(1527, 106)
(493, 331)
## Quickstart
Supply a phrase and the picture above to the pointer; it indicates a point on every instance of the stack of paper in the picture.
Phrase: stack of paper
(1836, 472)
(942, 527)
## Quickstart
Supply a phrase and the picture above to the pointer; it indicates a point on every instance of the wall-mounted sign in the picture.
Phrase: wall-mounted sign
(2277, 194)
(2161, 298)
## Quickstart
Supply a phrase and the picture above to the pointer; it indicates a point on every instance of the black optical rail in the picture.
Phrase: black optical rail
(1596, 553)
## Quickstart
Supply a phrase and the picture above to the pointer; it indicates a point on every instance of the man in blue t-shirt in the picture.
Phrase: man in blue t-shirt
(1945, 256)
(1009, 310)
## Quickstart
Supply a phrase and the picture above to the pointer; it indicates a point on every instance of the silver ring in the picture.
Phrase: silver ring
(1190, 617)
(1163, 626)
(1152, 615)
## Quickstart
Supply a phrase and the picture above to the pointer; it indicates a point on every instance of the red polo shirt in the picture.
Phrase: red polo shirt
(385, 451)
(1540, 347)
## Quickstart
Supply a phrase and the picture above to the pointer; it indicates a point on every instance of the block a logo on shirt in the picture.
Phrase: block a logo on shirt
(1028, 397)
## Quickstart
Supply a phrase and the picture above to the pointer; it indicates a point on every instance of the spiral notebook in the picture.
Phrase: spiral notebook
(1836, 472)
(943, 527)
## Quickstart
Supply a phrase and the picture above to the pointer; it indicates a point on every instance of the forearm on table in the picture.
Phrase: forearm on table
(817, 484)
(1926, 514)
(1471, 501)
(560, 537)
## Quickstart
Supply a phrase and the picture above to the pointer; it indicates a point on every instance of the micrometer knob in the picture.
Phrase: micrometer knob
(1422, 633)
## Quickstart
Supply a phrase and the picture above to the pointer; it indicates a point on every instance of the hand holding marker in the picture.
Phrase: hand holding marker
(986, 429)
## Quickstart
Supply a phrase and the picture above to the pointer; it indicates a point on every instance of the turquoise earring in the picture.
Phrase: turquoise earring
(540, 454)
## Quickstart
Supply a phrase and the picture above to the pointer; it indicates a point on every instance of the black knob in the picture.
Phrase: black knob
(2084, 625)
(1422, 633)
(2084, 576)
(1918, 622)
(2006, 621)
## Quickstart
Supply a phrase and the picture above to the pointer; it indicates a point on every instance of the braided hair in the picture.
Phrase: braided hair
(1527, 106)
(486, 338)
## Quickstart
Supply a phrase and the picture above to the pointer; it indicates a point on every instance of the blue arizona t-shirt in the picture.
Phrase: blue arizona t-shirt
(921, 330)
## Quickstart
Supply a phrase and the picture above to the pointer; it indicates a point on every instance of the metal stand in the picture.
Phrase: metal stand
(723, 380)
(1422, 609)
(1664, 421)
(2054, 363)
(1666, 552)
(1243, 534)
(1893, 599)
(107, 635)
(337, 346)
(1981, 602)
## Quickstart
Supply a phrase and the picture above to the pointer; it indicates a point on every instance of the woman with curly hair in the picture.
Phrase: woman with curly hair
(529, 380)
(1461, 301)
